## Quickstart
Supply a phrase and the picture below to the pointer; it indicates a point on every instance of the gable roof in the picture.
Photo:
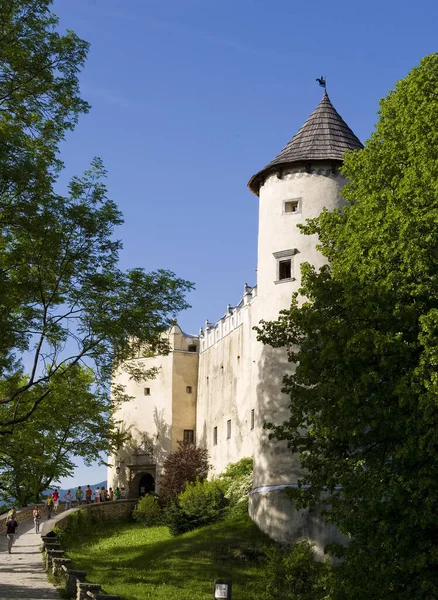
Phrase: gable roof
(324, 136)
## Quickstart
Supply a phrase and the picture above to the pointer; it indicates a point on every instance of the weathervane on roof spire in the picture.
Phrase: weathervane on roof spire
(322, 81)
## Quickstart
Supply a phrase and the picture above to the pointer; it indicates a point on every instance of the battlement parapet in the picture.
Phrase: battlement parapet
(233, 317)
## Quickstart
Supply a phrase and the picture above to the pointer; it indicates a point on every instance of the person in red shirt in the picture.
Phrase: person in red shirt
(88, 494)
(55, 497)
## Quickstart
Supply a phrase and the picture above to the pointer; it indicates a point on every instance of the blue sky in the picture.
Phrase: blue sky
(192, 97)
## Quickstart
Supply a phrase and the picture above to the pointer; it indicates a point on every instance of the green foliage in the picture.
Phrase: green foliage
(140, 562)
(64, 299)
(185, 465)
(364, 394)
(77, 422)
(200, 504)
(81, 525)
(237, 480)
(148, 511)
(238, 469)
(292, 573)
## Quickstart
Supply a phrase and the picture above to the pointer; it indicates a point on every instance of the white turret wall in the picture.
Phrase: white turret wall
(274, 465)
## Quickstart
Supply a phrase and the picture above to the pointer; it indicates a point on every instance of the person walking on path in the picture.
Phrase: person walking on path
(22, 573)
(36, 518)
(97, 495)
(49, 503)
(56, 501)
(111, 493)
(79, 495)
(68, 500)
(117, 493)
(88, 494)
(123, 493)
(11, 527)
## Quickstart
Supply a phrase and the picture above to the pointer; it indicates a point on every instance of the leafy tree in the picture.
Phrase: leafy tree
(63, 298)
(76, 421)
(364, 394)
(186, 464)
(39, 94)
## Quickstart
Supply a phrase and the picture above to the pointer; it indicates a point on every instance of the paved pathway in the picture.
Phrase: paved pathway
(21, 573)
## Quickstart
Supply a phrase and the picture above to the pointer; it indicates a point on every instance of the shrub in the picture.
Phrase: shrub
(177, 520)
(293, 574)
(186, 464)
(201, 503)
(237, 481)
(148, 511)
(242, 467)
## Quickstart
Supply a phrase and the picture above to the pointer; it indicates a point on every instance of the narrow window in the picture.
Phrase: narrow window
(285, 269)
(192, 348)
(189, 389)
(189, 436)
(252, 419)
(147, 391)
(214, 436)
(291, 206)
(228, 429)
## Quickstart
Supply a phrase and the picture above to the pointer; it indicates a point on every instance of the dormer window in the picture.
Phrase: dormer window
(292, 206)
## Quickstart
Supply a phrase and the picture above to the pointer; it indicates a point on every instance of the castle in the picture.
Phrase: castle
(217, 389)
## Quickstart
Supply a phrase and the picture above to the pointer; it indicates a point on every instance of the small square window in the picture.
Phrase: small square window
(147, 391)
(228, 429)
(189, 389)
(252, 419)
(189, 436)
(291, 206)
(192, 348)
(285, 269)
(214, 436)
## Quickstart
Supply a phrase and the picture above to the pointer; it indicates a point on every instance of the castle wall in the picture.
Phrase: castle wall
(156, 421)
(185, 375)
(145, 414)
(226, 387)
(275, 467)
(278, 230)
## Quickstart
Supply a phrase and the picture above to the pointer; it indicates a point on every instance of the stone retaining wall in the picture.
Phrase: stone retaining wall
(100, 510)
(59, 564)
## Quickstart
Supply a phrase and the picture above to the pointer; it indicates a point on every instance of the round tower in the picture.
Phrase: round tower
(302, 180)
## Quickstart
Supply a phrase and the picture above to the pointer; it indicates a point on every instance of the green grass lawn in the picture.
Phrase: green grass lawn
(138, 562)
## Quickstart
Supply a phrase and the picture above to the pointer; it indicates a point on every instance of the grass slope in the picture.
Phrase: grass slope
(138, 562)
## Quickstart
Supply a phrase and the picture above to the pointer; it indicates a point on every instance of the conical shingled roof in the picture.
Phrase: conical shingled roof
(324, 136)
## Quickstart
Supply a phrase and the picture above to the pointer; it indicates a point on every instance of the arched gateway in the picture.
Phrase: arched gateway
(146, 485)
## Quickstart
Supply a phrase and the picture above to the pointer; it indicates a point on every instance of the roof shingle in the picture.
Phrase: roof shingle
(324, 136)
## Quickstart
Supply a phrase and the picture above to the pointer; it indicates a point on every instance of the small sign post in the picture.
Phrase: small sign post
(222, 589)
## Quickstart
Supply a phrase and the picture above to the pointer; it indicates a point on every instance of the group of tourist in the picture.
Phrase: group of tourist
(87, 496)
(100, 494)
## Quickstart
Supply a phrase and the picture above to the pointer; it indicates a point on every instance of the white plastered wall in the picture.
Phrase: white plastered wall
(163, 414)
(274, 464)
(226, 391)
